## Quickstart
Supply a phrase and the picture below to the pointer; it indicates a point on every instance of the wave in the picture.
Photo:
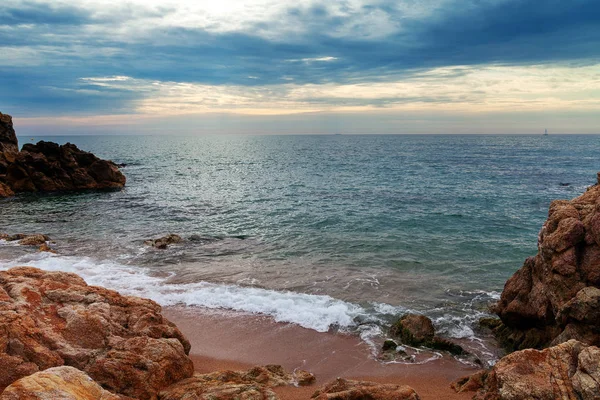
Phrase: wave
(317, 312)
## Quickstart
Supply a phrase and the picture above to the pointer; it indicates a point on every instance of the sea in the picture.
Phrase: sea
(335, 233)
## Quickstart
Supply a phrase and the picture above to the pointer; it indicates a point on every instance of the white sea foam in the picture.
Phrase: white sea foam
(316, 312)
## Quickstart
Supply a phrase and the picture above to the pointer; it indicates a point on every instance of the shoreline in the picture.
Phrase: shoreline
(222, 340)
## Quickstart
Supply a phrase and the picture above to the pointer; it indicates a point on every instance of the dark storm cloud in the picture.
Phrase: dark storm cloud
(52, 47)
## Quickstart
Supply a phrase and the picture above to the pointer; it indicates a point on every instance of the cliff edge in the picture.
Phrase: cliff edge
(555, 296)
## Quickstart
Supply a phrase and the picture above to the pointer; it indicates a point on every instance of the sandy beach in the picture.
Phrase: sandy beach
(238, 341)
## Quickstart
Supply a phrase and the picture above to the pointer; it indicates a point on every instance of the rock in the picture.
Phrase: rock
(33, 240)
(59, 383)
(554, 296)
(163, 242)
(8, 139)
(301, 377)
(5, 191)
(389, 345)
(418, 330)
(50, 319)
(253, 384)
(489, 323)
(569, 370)
(45, 247)
(470, 383)
(344, 389)
(48, 167)
(414, 330)
(442, 344)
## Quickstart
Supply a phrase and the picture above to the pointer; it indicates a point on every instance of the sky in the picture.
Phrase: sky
(302, 66)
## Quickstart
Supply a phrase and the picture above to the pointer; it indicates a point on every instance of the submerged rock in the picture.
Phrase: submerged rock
(163, 242)
(49, 167)
(51, 319)
(33, 240)
(569, 370)
(344, 389)
(554, 297)
(58, 383)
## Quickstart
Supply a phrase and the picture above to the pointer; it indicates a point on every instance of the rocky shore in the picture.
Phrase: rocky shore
(49, 167)
(63, 339)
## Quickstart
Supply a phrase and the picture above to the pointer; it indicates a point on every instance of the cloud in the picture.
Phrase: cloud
(239, 49)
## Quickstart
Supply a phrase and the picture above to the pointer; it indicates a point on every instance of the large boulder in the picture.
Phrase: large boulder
(50, 319)
(49, 167)
(345, 389)
(570, 370)
(554, 297)
(58, 383)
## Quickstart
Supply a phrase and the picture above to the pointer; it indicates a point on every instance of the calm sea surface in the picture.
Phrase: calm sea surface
(323, 231)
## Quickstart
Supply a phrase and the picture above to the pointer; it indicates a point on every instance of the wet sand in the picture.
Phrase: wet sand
(223, 340)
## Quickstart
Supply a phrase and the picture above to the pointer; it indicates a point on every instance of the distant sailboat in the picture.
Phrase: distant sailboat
(545, 132)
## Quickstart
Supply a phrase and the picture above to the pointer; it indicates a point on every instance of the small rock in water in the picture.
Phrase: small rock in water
(46, 248)
(33, 240)
(414, 330)
(418, 330)
(163, 242)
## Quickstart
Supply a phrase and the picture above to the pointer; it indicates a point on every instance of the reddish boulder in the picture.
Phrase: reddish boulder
(344, 389)
(554, 297)
(59, 383)
(50, 319)
(567, 371)
(48, 167)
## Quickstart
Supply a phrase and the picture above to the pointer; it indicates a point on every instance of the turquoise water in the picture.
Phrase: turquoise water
(379, 224)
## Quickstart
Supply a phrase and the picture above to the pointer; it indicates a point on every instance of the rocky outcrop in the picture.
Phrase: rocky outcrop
(50, 319)
(58, 383)
(8, 137)
(344, 389)
(49, 167)
(418, 330)
(568, 371)
(254, 384)
(555, 296)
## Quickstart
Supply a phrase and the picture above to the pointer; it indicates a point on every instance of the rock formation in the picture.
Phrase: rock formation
(48, 167)
(255, 384)
(344, 389)
(570, 370)
(50, 319)
(555, 296)
(64, 383)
